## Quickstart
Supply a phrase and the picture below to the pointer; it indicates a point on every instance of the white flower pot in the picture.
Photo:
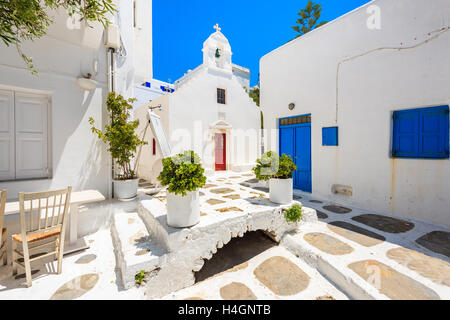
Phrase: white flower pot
(183, 212)
(125, 189)
(281, 190)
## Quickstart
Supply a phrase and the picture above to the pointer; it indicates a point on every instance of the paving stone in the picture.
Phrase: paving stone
(130, 221)
(237, 291)
(142, 252)
(384, 223)
(203, 214)
(215, 201)
(86, 259)
(235, 177)
(297, 197)
(262, 189)
(315, 201)
(137, 238)
(252, 181)
(233, 197)
(328, 244)
(436, 241)
(392, 283)
(194, 298)
(281, 276)
(357, 234)
(325, 298)
(222, 190)
(435, 269)
(321, 215)
(231, 209)
(76, 287)
(209, 185)
(337, 209)
(248, 175)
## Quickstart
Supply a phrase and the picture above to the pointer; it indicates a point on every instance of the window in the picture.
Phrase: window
(154, 146)
(295, 120)
(330, 136)
(221, 96)
(24, 147)
(421, 133)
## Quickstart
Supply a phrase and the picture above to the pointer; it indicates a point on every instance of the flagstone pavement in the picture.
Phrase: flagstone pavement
(392, 257)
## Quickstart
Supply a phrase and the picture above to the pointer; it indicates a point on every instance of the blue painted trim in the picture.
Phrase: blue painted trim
(413, 121)
(330, 136)
(310, 144)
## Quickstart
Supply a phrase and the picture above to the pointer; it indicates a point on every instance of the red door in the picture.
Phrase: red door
(221, 153)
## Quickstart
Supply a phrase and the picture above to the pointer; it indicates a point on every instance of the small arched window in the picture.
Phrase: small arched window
(154, 146)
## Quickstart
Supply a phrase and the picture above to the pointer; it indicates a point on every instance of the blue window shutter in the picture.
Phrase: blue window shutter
(421, 133)
(406, 134)
(434, 140)
(330, 136)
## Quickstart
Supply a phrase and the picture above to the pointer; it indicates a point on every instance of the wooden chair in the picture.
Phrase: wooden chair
(40, 229)
(3, 247)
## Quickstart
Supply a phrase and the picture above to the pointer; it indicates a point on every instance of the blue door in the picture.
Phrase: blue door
(295, 141)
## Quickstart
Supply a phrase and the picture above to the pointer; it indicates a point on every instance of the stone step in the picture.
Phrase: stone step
(153, 213)
(135, 248)
(361, 275)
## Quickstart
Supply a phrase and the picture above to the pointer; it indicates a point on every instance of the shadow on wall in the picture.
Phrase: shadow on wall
(90, 173)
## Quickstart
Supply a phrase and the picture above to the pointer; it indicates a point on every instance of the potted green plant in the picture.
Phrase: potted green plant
(278, 171)
(183, 175)
(122, 143)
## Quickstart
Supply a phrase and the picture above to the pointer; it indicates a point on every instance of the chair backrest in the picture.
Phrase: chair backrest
(46, 210)
(2, 209)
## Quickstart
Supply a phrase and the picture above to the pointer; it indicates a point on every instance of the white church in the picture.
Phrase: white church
(209, 112)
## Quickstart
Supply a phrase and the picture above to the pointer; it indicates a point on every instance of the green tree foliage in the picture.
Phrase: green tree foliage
(182, 173)
(309, 19)
(22, 20)
(120, 134)
(254, 94)
(272, 166)
(294, 213)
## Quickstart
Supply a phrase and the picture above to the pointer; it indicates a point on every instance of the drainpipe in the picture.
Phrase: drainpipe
(111, 70)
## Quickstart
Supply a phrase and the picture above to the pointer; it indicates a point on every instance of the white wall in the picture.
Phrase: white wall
(144, 95)
(66, 53)
(348, 75)
(149, 165)
(194, 107)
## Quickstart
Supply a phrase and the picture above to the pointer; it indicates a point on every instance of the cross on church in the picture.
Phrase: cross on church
(217, 27)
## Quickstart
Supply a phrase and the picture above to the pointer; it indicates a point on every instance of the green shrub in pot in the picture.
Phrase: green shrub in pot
(182, 173)
(272, 166)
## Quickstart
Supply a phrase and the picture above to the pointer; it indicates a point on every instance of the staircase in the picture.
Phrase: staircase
(134, 248)
(170, 256)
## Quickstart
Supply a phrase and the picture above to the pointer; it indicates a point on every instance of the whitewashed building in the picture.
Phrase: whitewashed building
(45, 137)
(151, 90)
(362, 105)
(209, 112)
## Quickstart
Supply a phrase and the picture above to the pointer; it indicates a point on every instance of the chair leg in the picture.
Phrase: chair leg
(60, 253)
(5, 250)
(14, 257)
(57, 248)
(26, 260)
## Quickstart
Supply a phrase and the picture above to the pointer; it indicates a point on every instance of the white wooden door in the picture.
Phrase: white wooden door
(31, 114)
(7, 141)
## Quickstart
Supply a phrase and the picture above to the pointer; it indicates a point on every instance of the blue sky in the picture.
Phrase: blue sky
(253, 28)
